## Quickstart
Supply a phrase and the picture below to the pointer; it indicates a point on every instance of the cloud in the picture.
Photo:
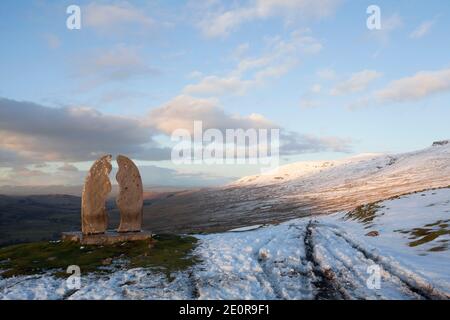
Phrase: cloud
(23, 176)
(357, 82)
(120, 96)
(219, 21)
(67, 167)
(59, 181)
(281, 56)
(118, 64)
(214, 85)
(109, 18)
(154, 175)
(10, 158)
(183, 110)
(293, 143)
(389, 24)
(34, 133)
(309, 98)
(422, 30)
(419, 86)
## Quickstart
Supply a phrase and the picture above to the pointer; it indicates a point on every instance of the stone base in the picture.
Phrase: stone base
(110, 237)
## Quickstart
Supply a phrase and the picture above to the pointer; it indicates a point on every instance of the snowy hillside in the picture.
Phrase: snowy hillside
(359, 179)
(303, 189)
(326, 257)
(360, 166)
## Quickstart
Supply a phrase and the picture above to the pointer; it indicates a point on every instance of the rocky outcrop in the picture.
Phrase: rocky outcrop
(94, 219)
(130, 199)
(441, 143)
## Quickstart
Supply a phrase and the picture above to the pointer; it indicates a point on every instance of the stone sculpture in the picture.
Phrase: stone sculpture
(130, 199)
(94, 219)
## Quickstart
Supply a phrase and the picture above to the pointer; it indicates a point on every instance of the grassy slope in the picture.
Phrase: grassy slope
(168, 253)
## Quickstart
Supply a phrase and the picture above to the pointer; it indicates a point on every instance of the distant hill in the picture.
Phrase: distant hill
(40, 190)
(32, 218)
(73, 190)
(44, 217)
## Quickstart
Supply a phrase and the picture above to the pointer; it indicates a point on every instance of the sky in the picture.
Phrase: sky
(138, 70)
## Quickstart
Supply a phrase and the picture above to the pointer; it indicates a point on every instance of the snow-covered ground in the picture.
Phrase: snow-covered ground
(326, 257)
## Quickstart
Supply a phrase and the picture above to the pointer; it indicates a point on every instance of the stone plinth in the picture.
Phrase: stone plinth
(109, 237)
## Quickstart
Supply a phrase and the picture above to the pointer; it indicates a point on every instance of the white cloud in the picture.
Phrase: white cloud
(293, 143)
(422, 30)
(24, 176)
(280, 57)
(357, 82)
(213, 85)
(418, 86)
(220, 21)
(67, 167)
(111, 17)
(116, 64)
(183, 110)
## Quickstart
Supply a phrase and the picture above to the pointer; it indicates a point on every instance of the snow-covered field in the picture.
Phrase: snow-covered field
(327, 257)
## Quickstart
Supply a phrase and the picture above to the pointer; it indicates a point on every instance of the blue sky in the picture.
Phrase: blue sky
(310, 67)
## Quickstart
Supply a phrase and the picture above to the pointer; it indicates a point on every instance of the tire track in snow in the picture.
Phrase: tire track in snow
(265, 271)
(411, 281)
(350, 267)
(324, 280)
(288, 275)
(193, 283)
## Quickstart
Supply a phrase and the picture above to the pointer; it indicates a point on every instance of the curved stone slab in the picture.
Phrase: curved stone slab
(130, 199)
(94, 219)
